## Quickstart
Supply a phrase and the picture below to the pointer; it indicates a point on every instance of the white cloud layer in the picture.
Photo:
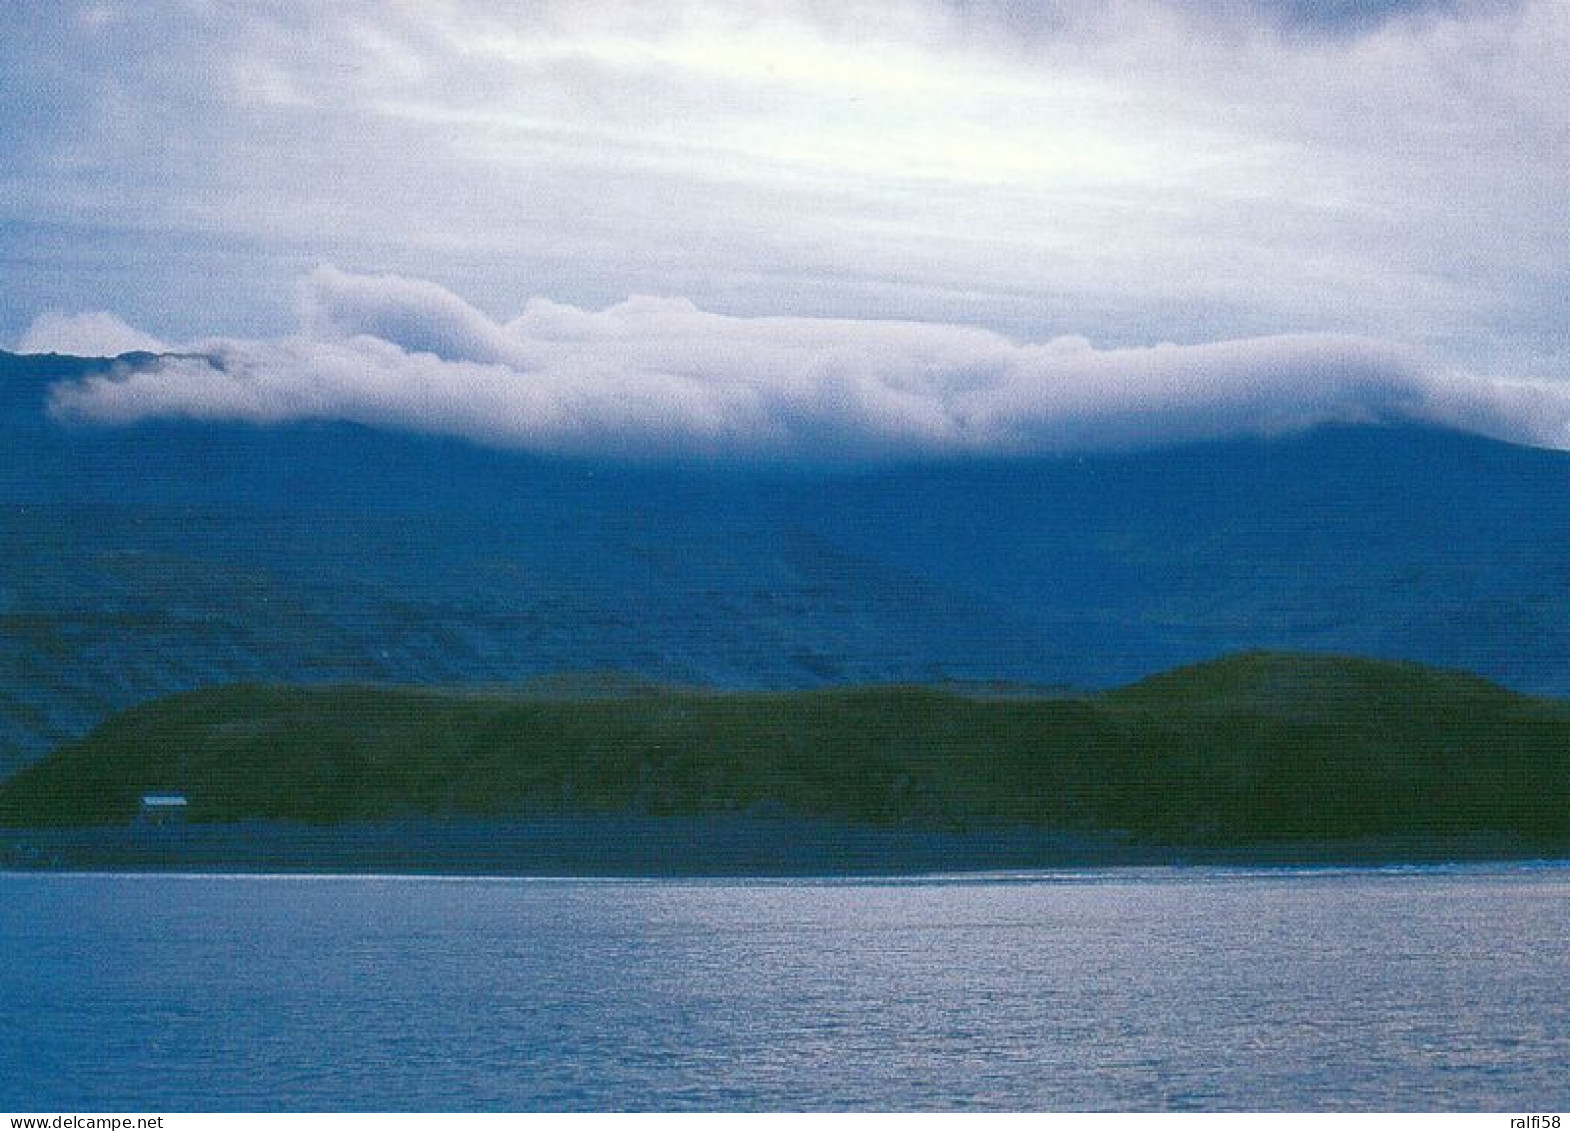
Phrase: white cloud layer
(660, 378)
(1149, 169)
(96, 334)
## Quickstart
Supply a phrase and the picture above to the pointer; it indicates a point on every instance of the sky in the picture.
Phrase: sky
(795, 227)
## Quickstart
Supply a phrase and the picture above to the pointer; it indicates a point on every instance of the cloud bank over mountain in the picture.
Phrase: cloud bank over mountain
(1192, 170)
(98, 334)
(660, 378)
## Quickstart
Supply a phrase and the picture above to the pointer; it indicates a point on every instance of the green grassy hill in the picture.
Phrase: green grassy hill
(1257, 748)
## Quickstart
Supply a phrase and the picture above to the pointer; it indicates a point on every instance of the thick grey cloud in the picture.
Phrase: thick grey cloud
(1037, 20)
(1133, 172)
(660, 378)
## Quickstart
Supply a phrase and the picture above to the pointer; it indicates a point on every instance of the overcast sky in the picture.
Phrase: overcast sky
(1394, 175)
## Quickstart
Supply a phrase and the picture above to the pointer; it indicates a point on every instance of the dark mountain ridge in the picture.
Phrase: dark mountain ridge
(167, 556)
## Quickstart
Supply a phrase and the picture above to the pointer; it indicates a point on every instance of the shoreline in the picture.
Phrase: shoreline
(654, 847)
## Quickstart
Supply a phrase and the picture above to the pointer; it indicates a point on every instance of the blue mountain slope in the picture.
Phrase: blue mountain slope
(144, 560)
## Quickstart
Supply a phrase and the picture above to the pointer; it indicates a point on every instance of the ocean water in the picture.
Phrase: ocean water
(1420, 988)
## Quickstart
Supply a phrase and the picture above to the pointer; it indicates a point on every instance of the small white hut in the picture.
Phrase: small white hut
(163, 808)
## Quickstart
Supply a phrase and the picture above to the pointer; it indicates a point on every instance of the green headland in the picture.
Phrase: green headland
(1260, 751)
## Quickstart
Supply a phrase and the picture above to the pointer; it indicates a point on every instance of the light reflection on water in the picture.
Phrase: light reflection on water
(1411, 988)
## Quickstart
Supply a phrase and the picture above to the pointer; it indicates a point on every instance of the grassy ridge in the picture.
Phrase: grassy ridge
(1257, 748)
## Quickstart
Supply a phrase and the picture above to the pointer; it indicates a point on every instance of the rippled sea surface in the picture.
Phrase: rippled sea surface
(1432, 988)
